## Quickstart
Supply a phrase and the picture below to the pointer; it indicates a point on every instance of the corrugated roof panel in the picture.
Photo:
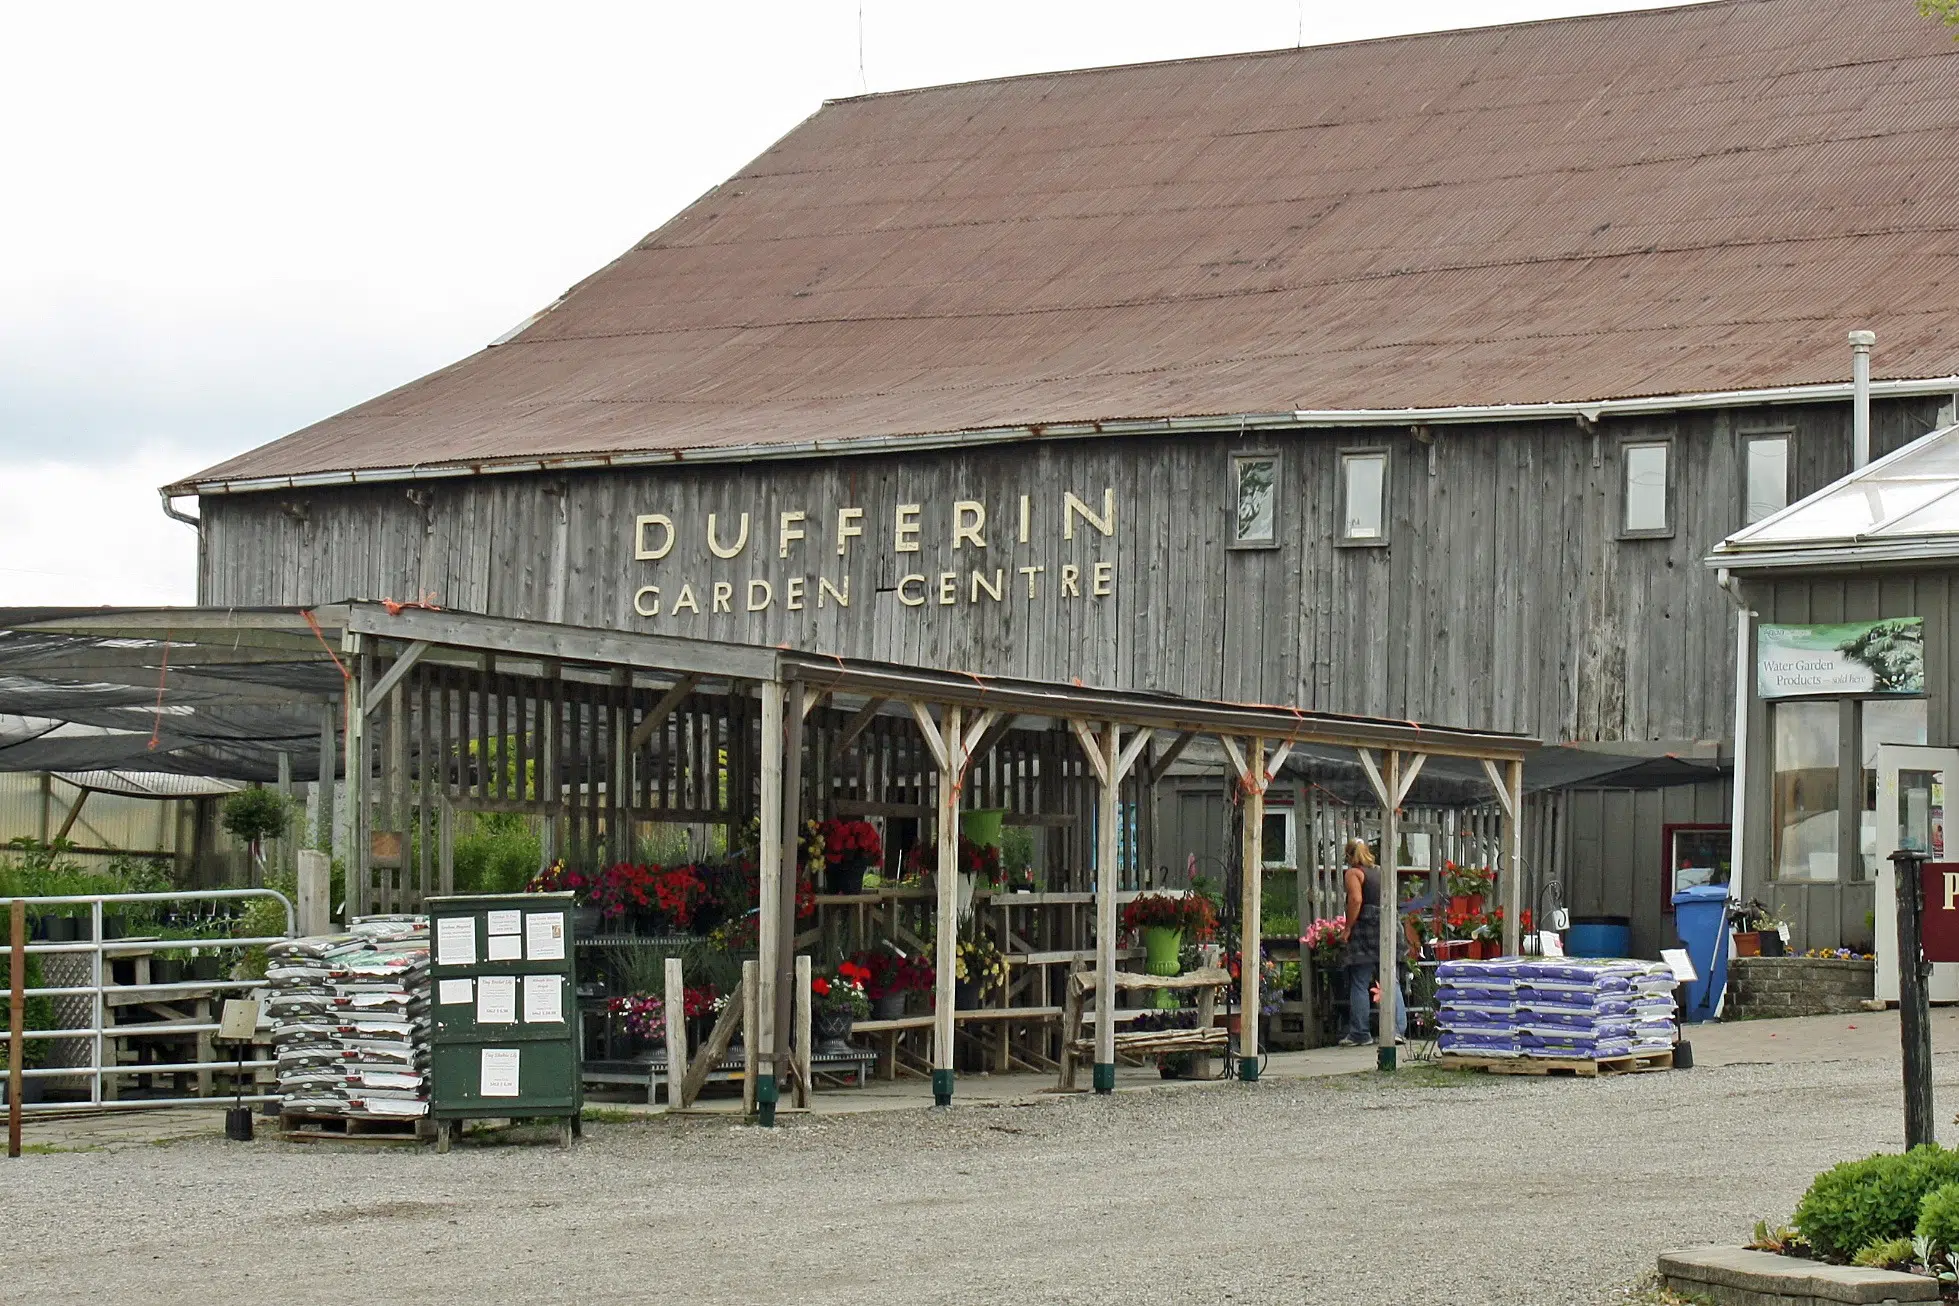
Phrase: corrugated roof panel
(1669, 201)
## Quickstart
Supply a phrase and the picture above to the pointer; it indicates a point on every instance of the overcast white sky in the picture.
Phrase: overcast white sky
(223, 222)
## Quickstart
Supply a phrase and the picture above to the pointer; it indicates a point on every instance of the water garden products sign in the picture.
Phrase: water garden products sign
(1859, 657)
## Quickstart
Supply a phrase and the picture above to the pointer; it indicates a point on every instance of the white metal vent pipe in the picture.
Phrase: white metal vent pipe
(1860, 397)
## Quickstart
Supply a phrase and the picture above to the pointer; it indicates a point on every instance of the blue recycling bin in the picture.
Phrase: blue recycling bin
(1700, 914)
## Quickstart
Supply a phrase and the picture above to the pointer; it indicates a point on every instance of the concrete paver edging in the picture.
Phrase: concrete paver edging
(1735, 1276)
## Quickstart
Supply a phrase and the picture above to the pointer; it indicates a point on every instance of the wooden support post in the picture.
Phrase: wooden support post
(676, 1017)
(944, 742)
(357, 775)
(1252, 903)
(790, 836)
(1107, 882)
(1390, 961)
(329, 765)
(761, 1036)
(804, 1018)
(1513, 862)
(313, 912)
(1914, 1008)
(16, 1020)
(285, 845)
(751, 1005)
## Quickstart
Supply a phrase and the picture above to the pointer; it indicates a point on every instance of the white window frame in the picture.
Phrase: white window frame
(1626, 448)
(1347, 458)
(1749, 439)
(1238, 462)
(1292, 838)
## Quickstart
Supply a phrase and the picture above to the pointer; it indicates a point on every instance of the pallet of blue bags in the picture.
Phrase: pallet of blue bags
(1556, 1015)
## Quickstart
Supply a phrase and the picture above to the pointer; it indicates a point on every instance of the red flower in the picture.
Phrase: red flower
(820, 987)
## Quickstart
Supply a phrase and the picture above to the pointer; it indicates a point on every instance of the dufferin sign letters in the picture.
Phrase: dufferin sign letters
(963, 554)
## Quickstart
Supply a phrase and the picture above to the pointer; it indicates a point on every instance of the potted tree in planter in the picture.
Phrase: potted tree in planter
(837, 1002)
(254, 815)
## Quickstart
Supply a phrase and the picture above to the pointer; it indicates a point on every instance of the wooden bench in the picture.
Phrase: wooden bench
(1202, 1041)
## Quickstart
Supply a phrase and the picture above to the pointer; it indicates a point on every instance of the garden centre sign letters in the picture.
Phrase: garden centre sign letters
(965, 554)
(1860, 657)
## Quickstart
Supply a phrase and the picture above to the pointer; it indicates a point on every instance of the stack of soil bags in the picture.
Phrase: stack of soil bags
(350, 1019)
(1563, 1008)
(1475, 1009)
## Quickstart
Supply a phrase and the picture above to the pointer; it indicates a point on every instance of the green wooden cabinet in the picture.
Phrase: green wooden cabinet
(505, 1028)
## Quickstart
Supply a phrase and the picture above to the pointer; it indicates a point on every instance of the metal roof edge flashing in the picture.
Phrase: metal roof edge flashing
(1223, 423)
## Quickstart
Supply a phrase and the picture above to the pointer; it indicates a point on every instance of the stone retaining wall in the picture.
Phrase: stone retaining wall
(1733, 1276)
(1798, 986)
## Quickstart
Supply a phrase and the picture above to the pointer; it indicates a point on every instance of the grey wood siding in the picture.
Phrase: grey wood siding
(1614, 852)
(1504, 599)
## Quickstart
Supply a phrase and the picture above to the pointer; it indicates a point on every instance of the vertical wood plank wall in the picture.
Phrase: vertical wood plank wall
(1512, 602)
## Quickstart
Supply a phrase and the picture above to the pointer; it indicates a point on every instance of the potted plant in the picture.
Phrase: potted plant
(559, 878)
(837, 1002)
(644, 1016)
(1159, 918)
(849, 849)
(1467, 887)
(978, 968)
(1768, 932)
(1747, 928)
(890, 978)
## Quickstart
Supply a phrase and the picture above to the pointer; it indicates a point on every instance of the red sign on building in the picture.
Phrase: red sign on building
(1941, 930)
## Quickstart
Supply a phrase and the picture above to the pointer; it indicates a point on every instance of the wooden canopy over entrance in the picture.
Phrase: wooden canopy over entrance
(596, 730)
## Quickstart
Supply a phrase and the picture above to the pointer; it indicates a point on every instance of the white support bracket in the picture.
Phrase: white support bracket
(977, 731)
(933, 739)
(1130, 752)
(1407, 782)
(395, 674)
(1502, 789)
(662, 709)
(1086, 738)
(1374, 780)
(1279, 755)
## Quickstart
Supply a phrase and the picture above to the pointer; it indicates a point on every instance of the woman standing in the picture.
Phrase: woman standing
(1364, 946)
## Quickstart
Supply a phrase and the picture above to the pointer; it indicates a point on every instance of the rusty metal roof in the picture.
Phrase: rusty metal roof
(1694, 199)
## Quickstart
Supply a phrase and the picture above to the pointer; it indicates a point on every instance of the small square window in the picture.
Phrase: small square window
(1364, 497)
(1277, 847)
(1648, 489)
(1255, 499)
(1765, 476)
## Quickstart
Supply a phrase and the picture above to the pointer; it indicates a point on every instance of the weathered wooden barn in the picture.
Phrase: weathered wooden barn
(1410, 378)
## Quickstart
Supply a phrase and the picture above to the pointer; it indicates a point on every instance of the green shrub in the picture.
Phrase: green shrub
(498, 854)
(1890, 1254)
(1938, 1218)
(1857, 1203)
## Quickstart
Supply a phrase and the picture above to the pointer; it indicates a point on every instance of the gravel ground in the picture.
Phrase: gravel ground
(1423, 1187)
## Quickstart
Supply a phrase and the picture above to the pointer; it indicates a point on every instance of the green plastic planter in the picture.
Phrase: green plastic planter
(983, 825)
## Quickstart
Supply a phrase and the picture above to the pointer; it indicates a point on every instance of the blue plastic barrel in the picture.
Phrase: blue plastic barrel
(1598, 937)
(1700, 914)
